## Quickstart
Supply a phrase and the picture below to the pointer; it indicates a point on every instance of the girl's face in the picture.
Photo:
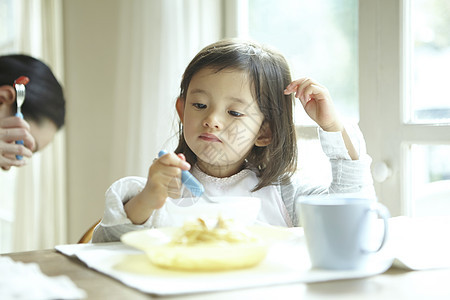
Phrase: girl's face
(221, 120)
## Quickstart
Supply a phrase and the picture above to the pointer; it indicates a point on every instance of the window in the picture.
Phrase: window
(319, 39)
(430, 179)
(429, 44)
(378, 59)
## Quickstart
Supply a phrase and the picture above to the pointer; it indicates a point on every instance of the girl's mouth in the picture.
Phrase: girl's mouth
(209, 138)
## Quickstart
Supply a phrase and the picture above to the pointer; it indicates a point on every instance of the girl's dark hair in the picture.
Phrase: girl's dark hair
(44, 96)
(269, 75)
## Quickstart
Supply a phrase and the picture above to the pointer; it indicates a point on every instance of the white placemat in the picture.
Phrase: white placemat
(420, 243)
(286, 262)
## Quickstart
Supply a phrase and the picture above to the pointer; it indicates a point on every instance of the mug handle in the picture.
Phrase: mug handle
(382, 212)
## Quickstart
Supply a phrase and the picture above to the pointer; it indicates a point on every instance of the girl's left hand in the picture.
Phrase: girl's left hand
(316, 101)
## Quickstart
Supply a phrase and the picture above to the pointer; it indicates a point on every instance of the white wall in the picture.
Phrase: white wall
(90, 34)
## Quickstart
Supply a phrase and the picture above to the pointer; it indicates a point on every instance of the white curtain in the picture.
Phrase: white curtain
(40, 214)
(158, 39)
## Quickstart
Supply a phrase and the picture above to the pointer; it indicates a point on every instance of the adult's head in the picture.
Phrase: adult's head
(44, 106)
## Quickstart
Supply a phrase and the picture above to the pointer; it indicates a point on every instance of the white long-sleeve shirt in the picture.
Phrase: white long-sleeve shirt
(277, 201)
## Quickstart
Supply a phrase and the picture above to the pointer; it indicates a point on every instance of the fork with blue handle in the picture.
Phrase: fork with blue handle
(19, 85)
(191, 183)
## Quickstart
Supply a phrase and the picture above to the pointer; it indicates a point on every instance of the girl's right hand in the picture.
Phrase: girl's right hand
(164, 179)
(14, 129)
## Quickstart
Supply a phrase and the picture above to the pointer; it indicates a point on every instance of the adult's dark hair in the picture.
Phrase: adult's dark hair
(269, 75)
(44, 97)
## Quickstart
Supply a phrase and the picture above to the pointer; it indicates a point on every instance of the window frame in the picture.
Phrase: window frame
(385, 54)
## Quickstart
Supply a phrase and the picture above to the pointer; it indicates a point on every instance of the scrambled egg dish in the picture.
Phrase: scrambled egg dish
(199, 247)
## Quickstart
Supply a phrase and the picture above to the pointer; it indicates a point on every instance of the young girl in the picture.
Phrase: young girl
(237, 137)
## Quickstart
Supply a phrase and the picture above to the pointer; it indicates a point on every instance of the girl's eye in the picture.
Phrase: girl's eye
(235, 113)
(199, 105)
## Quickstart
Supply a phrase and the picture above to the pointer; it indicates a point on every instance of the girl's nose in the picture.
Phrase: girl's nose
(212, 121)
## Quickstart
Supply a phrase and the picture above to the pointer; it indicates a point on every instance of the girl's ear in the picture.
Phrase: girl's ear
(7, 95)
(180, 109)
(264, 136)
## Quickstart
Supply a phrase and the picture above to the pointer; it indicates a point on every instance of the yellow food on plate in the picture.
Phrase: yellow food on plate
(223, 232)
(199, 247)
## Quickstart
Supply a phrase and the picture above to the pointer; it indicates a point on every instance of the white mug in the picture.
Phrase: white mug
(340, 229)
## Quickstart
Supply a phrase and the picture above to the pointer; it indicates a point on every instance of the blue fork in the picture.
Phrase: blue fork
(191, 183)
